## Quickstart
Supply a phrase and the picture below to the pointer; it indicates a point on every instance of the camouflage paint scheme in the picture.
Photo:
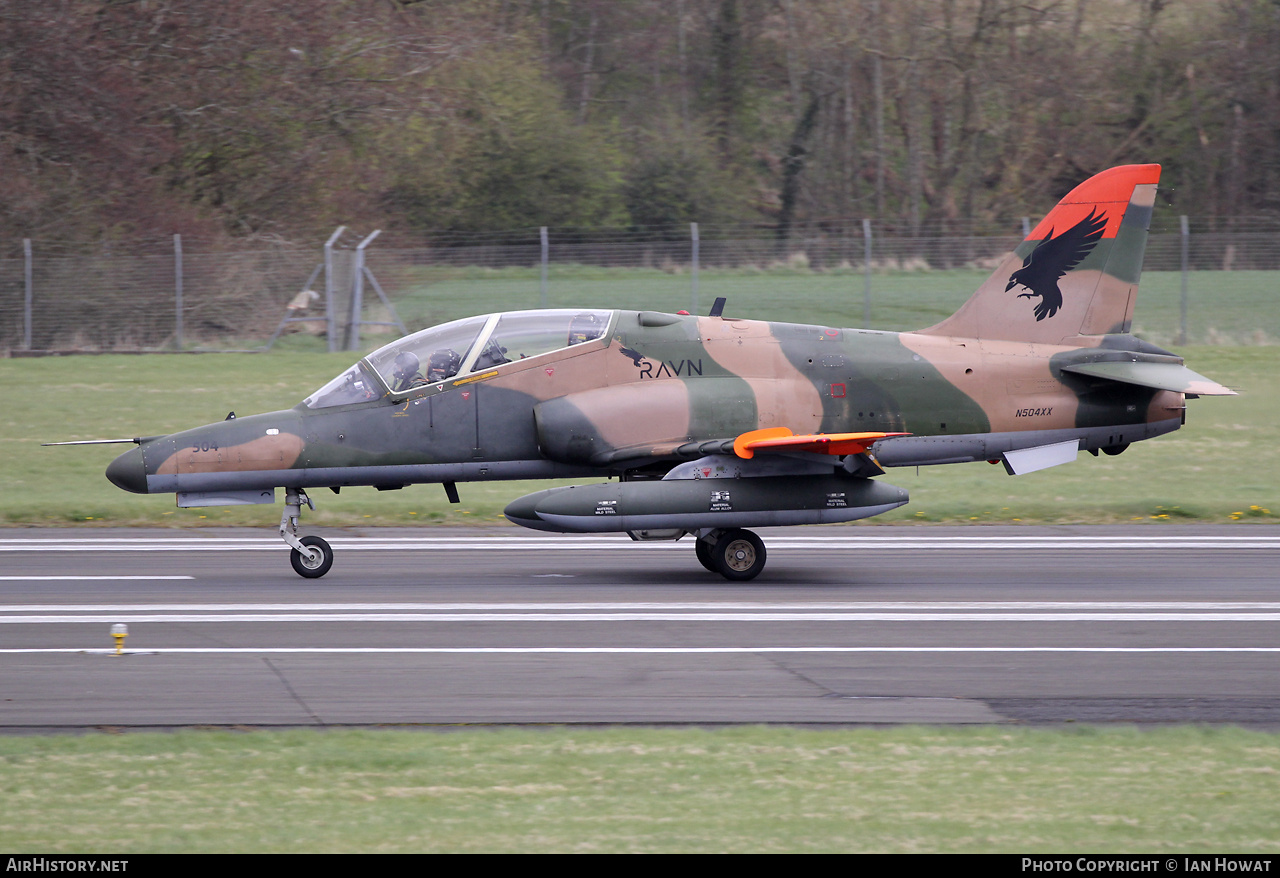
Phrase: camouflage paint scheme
(1006, 373)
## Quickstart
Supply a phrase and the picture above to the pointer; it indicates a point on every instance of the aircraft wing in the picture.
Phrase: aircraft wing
(782, 439)
(1161, 376)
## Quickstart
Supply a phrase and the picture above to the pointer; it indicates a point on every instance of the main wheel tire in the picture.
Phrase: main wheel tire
(704, 549)
(739, 555)
(312, 568)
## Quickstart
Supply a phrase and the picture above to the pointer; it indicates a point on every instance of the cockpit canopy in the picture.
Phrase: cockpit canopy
(470, 345)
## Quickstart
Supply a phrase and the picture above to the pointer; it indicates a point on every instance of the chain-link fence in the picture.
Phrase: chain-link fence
(149, 300)
(1203, 281)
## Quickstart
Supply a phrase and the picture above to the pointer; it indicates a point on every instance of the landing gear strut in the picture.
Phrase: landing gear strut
(735, 554)
(311, 556)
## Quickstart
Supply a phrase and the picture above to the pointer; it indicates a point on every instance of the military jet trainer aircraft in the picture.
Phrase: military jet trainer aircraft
(714, 424)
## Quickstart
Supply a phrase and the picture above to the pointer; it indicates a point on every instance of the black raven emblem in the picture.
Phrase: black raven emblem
(1054, 257)
(635, 356)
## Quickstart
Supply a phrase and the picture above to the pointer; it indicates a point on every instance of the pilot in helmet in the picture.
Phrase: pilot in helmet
(405, 371)
(493, 354)
(443, 364)
(584, 327)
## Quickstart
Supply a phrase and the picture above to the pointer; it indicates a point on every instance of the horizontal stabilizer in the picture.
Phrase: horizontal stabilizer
(782, 439)
(1161, 376)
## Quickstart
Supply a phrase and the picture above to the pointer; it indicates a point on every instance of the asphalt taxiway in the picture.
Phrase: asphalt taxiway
(847, 625)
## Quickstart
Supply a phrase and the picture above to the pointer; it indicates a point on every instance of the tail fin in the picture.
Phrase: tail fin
(1077, 271)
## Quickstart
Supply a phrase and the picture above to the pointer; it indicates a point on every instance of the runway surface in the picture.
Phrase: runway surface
(847, 625)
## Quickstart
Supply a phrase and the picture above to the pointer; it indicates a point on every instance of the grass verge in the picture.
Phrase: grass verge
(989, 789)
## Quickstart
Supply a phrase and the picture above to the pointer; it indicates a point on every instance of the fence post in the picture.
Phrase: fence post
(177, 289)
(26, 300)
(1186, 240)
(693, 232)
(545, 255)
(330, 318)
(1026, 227)
(357, 293)
(866, 270)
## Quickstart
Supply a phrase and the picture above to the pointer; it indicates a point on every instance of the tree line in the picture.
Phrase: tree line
(249, 118)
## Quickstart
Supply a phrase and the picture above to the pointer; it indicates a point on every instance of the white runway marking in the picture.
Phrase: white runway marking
(636, 617)
(967, 611)
(647, 650)
(616, 606)
(70, 578)
(508, 613)
(614, 542)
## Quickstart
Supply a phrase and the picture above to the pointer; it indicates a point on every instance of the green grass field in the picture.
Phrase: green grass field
(1223, 466)
(908, 790)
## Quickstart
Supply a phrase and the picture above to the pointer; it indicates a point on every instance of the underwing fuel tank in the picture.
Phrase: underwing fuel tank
(693, 504)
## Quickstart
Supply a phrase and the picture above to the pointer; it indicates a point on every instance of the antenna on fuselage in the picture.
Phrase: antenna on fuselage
(717, 307)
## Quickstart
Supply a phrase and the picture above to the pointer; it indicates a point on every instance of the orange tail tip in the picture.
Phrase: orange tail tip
(1111, 188)
(782, 439)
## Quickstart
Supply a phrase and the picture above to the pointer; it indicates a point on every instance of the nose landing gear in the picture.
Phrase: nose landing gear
(311, 556)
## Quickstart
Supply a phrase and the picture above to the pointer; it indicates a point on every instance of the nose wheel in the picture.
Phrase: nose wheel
(314, 559)
(311, 556)
(737, 555)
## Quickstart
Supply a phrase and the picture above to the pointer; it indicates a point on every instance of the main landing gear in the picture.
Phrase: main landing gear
(735, 554)
(311, 556)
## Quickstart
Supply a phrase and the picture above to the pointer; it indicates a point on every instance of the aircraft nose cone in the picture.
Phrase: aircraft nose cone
(128, 471)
